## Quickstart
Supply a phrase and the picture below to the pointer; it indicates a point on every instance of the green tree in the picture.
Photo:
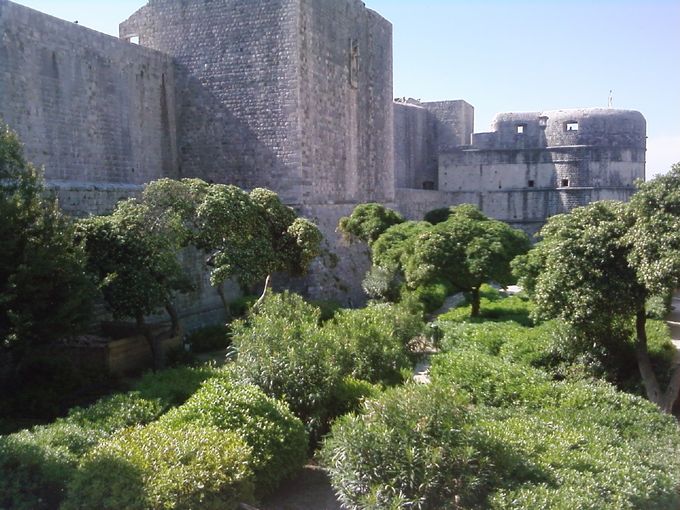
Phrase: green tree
(388, 253)
(294, 242)
(45, 293)
(134, 255)
(368, 221)
(466, 250)
(598, 265)
(234, 236)
(654, 241)
(247, 236)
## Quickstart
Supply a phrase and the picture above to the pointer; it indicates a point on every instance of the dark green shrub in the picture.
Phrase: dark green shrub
(116, 412)
(492, 381)
(408, 449)
(350, 393)
(158, 467)
(240, 306)
(36, 466)
(327, 308)
(373, 341)
(277, 438)
(210, 338)
(174, 386)
(281, 350)
(432, 295)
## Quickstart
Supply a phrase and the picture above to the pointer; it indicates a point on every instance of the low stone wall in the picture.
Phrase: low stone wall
(119, 357)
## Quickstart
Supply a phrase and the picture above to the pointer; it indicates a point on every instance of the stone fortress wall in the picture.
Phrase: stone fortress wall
(292, 95)
(529, 167)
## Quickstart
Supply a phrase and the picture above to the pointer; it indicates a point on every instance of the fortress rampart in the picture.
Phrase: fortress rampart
(296, 96)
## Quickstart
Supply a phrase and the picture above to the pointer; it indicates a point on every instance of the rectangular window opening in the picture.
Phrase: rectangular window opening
(520, 129)
(571, 126)
(134, 39)
(531, 183)
(565, 183)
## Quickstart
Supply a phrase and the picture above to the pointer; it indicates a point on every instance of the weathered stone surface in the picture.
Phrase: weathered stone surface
(87, 106)
(295, 96)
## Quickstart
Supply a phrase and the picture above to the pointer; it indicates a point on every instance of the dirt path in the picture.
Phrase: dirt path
(311, 490)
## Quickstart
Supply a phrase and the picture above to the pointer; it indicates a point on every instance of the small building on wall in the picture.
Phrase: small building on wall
(529, 167)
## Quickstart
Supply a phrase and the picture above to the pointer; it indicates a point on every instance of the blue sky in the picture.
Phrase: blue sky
(513, 55)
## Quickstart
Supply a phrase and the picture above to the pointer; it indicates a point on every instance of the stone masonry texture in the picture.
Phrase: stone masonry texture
(295, 96)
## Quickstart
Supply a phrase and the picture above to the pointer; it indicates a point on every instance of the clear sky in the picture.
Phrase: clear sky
(514, 55)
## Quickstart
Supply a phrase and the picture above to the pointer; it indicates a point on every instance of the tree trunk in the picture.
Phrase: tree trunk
(644, 364)
(673, 388)
(174, 319)
(225, 303)
(153, 341)
(475, 302)
(267, 284)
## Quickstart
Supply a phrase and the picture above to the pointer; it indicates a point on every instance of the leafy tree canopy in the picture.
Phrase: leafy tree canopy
(599, 264)
(368, 221)
(467, 250)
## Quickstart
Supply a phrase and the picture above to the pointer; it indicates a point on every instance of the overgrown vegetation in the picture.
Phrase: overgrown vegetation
(286, 350)
(515, 417)
(461, 252)
(598, 267)
(524, 408)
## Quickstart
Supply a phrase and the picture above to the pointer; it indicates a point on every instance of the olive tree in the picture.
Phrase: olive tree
(466, 250)
(246, 236)
(134, 255)
(367, 222)
(601, 263)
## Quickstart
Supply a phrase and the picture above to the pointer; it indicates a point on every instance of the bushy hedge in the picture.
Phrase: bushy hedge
(552, 346)
(161, 467)
(281, 350)
(36, 466)
(540, 346)
(277, 438)
(173, 386)
(491, 381)
(373, 341)
(531, 443)
(284, 350)
(116, 412)
(606, 448)
(410, 448)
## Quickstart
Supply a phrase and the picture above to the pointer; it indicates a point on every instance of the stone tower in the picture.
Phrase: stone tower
(293, 95)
